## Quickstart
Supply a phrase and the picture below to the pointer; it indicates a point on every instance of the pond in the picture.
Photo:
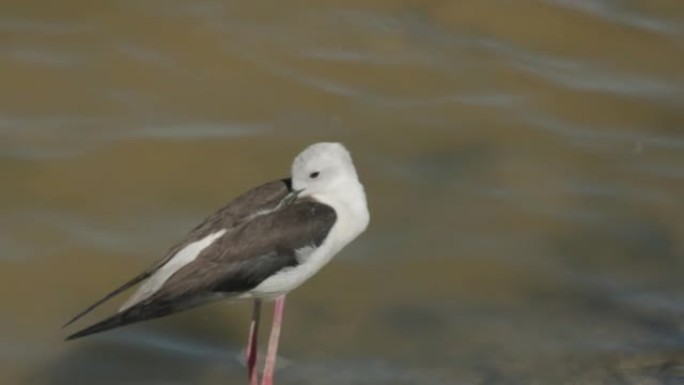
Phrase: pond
(524, 165)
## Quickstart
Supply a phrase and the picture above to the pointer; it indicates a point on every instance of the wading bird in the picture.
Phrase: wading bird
(260, 246)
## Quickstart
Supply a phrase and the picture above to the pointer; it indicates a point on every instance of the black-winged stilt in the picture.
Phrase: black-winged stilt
(262, 245)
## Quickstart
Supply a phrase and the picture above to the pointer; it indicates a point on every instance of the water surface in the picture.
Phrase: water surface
(524, 163)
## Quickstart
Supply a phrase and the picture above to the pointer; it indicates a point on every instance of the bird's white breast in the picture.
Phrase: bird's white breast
(348, 225)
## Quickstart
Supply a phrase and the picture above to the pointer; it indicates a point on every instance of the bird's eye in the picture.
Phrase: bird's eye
(314, 175)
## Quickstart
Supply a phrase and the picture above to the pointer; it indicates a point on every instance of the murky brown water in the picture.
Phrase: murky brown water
(524, 162)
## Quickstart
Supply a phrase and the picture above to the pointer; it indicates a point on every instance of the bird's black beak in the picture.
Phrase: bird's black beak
(291, 196)
(294, 194)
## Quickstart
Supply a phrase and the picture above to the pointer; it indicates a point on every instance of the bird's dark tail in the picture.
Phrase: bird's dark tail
(144, 311)
(137, 313)
(106, 324)
(104, 299)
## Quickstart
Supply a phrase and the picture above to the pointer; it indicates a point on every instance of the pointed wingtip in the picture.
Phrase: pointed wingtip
(71, 336)
(116, 320)
(76, 335)
(71, 321)
(120, 289)
(81, 314)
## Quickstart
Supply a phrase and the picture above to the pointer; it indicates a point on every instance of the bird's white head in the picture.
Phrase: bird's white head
(323, 168)
(325, 172)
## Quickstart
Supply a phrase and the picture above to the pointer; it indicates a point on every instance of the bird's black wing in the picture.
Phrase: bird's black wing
(264, 197)
(235, 263)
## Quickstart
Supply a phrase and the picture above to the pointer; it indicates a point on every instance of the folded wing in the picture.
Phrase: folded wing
(262, 198)
(244, 256)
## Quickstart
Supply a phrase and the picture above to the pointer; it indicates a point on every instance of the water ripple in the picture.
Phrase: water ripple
(608, 10)
(587, 76)
(19, 25)
(570, 130)
(67, 136)
(44, 56)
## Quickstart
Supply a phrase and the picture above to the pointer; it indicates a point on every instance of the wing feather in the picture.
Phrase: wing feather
(240, 260)
(263, 197)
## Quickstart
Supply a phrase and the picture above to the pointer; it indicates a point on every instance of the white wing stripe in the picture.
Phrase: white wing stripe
(183, 257)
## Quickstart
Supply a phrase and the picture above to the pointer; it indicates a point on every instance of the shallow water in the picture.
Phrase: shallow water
(524, 163)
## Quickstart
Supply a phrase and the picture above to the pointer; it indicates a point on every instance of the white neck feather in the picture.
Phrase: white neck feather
(349, 202)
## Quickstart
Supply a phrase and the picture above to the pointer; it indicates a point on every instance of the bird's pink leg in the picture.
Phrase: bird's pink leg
(273, 341)
(252, 346)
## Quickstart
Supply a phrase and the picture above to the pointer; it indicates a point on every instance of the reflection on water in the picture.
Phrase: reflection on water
(523, 160)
